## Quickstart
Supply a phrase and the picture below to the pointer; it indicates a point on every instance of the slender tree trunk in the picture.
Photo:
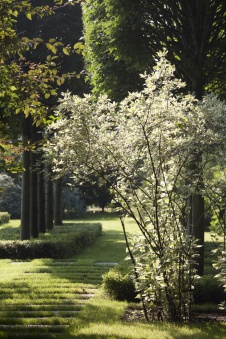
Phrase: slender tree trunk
(197, 199)
(25, 195)
(41, 188)
(58, 210)
(198, 222)
(34, 186)
(49, 200)
(41, 199)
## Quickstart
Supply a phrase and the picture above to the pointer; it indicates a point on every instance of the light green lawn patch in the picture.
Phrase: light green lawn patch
(40, 294)
(110, 247)
(101, 319)
(208, 238)
(61, 295)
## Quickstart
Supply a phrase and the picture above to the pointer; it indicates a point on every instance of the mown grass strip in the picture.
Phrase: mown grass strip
(99, 318)
(41, 297)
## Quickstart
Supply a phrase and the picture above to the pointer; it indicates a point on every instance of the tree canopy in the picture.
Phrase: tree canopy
(33, 64)
(123, 38)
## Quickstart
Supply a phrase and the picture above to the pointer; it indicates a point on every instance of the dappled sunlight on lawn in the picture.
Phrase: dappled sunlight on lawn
(145, 331)
(100, 319)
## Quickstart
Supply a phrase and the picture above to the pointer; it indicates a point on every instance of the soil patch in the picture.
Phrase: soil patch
(133, 314)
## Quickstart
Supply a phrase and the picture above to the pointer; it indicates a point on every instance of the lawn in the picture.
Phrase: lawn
(47, 298)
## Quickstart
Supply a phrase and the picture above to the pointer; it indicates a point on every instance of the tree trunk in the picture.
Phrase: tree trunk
(34, 185)
(25, 195)
(197, 199)
(198, 222)
(49, 200)
(58, 210)
(41, 200)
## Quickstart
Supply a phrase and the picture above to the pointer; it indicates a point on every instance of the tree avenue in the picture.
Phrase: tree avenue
(147, 140)
(33, 69)
(122, 41)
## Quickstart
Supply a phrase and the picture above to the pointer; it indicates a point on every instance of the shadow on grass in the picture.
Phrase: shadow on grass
(103, 322)
(81, 267)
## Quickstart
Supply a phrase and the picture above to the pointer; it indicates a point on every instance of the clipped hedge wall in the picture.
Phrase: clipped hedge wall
(61, 242)
(118, 283)
(207, 289)
(4, 218)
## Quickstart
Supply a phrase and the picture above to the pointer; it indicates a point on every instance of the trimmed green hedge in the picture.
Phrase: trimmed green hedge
(207, 289)
(118, 283)
(61, 242)
(4, 218)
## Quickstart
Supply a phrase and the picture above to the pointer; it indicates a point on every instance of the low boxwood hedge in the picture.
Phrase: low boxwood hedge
(61, 242)
(207, 289)
(4, 218)
(118, 283)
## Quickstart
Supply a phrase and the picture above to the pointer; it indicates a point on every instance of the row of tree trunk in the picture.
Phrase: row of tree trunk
(41, 203)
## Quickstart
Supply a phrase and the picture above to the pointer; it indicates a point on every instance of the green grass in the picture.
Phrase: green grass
(46, 298)
(101, 319)
(111, 245)
(37, 294)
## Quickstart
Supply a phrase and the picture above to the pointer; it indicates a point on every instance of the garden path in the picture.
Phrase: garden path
(44, 295)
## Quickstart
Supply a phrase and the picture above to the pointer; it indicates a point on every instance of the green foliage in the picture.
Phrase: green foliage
(32, 65)
(164, 272)
(123, 38)
(150, 142)
(107, 25)
(95, 191)
(118, 283)
(62, 242)
(220, 265)
(4, 218)
(72, 201)
(208, 290)
(10, 195)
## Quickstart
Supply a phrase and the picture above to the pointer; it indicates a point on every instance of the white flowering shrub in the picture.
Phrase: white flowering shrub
(149, 141)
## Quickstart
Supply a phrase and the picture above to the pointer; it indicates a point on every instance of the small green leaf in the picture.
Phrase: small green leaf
(52, 48)
(15, 13)
(53, 92)
(2, 149)
(78, 45)
(66, 51)
(49, 46)
(28, 15)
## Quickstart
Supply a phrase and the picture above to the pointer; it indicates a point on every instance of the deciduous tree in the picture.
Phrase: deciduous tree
(123, 38)
(147, 140)
(29, 77)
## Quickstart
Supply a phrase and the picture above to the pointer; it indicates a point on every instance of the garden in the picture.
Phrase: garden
(119, 105)
(84, 294)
